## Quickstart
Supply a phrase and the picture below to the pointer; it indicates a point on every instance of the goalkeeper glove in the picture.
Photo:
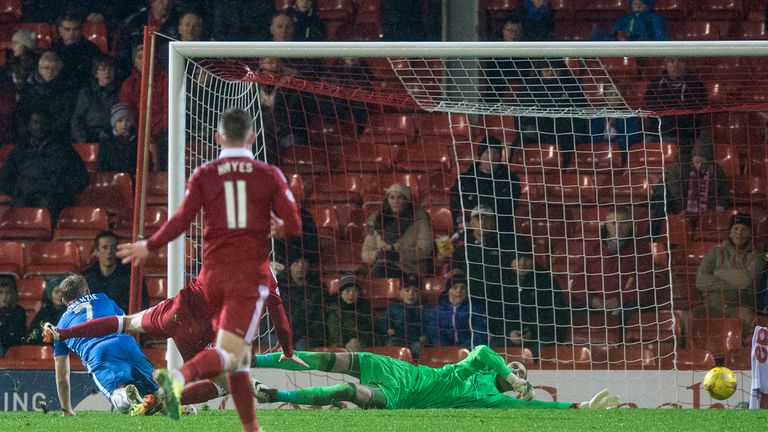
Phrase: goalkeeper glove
(521, 386)
(602, 400)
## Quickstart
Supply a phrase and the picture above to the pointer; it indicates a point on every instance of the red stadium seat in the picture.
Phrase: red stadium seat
(440, 356)
(685, 296)
(10, 10)
(325, 133)
(596, 328)
(721, 10)
(367, 157)
(338, 188)
(432, 289)
(428, 155)
(571, 188)
(25, 223)
(584, 222)
(53, 258)
(523, 355)
(727, 156)
(532, 187)
(340, 256)
(154, 217)
(44, 31)
(565, 357)
(89, 153)
(536, 159)
(96, 32)
(621, 68)
(627, 188)
(689, 359)
(652, 156)
(30, 292)
(11, 259)
(750, 191)
(576, 30)
(690, 256)
(109, 190)
(679, 229)
(400, 353)
(327, 220)
(653, 326)
(713, 226)
(390, 128)
(694, 30)
(157, 189)
(749, 30)
(717, 335)
(599, 9)
(335, 10)
(81, 223)
(671, 9)
(157, 288)
(377, 185)
(499, 126)
(739, 360)
(156, 264)
(623, 357)
(382, 291)
(296, 183)
(445, 125)
(597, 157)
(305, 159)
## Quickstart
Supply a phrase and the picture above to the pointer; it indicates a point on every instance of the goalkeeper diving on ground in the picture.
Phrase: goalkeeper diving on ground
(478, 381)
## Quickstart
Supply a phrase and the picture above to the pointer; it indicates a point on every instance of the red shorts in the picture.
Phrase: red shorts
(184, 318)
(238, 310)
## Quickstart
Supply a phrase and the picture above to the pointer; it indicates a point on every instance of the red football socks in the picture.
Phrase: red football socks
(242, 395)
(90, 329)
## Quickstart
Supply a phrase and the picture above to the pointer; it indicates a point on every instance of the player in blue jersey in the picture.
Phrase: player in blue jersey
(116, 363)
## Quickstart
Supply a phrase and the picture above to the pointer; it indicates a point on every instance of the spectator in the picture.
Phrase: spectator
(677, 88)
(43, 170)
(284, 121)
(551, 85)
(729, 274)
(535, 312)
(307, 26)
(618, 269)
(347, 71)
(487, 182)
(117, 152)
(130, 93)
(448, 322)
(480, 259)
(242, 20)
(109, 275)
(90, 121)
(302, 294)
(50, 93)
(306, 246)
(77, 53)
(399, 239)
(538, 21)
(52, 310)
(161, 17)
(349, 317)
(22, 66)
(696, 186)
(13, 318)
(403, 323)
(504, 75)
(191, 27)
(641, 23)
(281, 27)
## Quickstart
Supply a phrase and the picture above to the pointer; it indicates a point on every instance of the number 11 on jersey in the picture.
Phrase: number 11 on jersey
(235, 199)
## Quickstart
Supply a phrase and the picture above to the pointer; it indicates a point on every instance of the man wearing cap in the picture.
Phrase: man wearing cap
(729, 275)
(488, 182)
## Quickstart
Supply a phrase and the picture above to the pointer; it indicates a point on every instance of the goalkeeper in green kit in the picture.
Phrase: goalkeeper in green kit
(478, 381)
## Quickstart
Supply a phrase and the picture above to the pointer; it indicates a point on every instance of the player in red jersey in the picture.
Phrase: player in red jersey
(239, 197)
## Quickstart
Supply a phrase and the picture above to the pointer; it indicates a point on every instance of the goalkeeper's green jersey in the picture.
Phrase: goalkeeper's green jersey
(471, 383)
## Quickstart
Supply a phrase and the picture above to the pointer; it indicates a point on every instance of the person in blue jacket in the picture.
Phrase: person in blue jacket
(641, 23)
(452, 323)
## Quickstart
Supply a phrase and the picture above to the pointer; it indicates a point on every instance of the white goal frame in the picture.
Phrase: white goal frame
(178, 51)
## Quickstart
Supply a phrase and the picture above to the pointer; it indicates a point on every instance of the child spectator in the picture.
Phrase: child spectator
(13, 318)
(403, 323)
(641, 23)
(448, 322)
(307, 26)
(349, 317)
(399, 239)
(117, 152)
(52, 310)
(90, 121)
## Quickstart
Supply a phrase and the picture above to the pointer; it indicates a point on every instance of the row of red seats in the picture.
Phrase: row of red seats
(37, 357)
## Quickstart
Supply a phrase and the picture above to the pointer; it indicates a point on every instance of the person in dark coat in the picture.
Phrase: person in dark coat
(77, 53)
(13, 318)
(307, 25)
(534, 311)
(90, 120)
(117, 152)
(51, 311)
(404, 322)
(489, 182)
(44, 170)
(302, 294)
(349, 317)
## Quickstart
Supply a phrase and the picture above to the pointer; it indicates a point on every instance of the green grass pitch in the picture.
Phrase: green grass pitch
(352, 420)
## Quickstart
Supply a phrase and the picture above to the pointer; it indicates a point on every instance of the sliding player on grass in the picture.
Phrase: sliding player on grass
(115, 362)
(478, 381)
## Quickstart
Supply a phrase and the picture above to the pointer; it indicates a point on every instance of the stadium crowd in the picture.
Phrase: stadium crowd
(492, 289)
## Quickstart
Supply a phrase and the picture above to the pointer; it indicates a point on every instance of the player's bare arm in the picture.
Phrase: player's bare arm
(62, 385)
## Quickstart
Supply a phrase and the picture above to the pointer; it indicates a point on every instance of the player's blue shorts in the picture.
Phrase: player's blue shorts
(117, 361)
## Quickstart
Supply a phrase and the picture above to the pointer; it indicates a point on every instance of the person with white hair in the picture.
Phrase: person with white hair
(21, 67)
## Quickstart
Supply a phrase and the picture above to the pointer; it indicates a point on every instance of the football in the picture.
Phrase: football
(720, 383)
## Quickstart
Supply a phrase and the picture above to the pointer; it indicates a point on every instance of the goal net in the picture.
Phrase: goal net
(544, 201)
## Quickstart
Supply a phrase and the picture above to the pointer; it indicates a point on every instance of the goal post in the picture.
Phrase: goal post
(587, 145)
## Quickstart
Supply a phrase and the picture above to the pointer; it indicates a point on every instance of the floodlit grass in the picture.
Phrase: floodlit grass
(406, 421)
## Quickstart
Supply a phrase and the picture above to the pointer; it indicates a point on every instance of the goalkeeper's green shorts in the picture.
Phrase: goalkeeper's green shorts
(393, 377)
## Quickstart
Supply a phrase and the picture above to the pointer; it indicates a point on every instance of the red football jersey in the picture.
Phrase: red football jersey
(237, 194)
